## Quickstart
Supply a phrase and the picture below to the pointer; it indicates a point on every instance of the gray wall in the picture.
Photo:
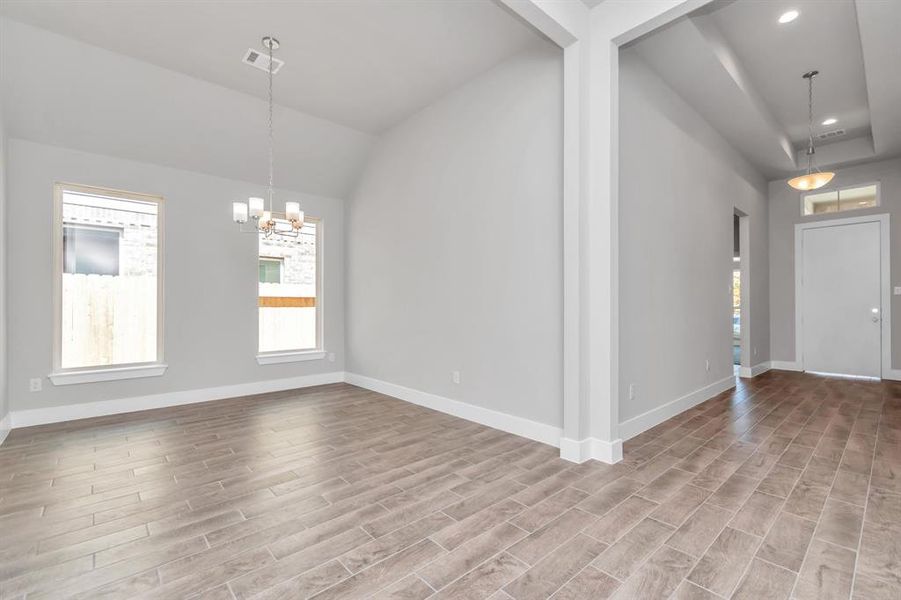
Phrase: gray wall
(4, 397)
(785, 211)
(455, 245)
(210, 276)
(679, 185)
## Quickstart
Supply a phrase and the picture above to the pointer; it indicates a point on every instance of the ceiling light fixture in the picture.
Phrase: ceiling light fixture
(268, 222)
(830, 121)
(788, 16)
(814, 178)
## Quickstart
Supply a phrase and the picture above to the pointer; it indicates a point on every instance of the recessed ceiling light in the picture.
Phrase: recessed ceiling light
(789, 16)
(830, 121)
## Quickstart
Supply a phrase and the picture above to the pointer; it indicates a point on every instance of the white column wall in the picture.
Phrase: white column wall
(591, 40)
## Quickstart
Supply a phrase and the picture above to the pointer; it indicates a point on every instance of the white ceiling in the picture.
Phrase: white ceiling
(59, 91)
(742, 70)
(361, 63)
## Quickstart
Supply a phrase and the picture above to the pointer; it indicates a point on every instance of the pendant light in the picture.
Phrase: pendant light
(814, 179)
(266, 221)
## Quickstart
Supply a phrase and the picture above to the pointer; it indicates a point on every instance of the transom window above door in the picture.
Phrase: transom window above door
(840, 200)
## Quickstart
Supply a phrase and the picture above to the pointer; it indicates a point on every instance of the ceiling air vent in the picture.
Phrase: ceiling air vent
(828, 135)
(260, 60)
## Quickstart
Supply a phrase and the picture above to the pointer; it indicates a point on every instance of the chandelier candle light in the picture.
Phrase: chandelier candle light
(814, 178)
(266, 221)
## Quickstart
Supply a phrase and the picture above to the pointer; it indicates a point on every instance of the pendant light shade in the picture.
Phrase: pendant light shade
(814, 178)
(811, 181)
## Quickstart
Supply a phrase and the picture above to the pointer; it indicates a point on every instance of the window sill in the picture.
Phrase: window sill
(112, 374)
(274, 358)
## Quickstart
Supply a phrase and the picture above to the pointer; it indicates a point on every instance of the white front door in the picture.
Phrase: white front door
(841, 310)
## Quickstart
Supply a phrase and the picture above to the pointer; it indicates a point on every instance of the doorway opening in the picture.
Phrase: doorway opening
(736, 296)
(741, 326)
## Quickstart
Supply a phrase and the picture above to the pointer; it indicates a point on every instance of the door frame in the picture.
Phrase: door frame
(884, 276)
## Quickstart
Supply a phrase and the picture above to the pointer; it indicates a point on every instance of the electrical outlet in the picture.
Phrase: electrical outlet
(755, 351)
(898, 290)
(34, 385)
(631, 391)
(331, 357)
(707, 364)
(455, 376)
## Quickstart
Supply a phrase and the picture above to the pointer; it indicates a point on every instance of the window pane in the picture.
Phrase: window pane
(824, 202)
(865, 196)
(859, 197)
(270, 270)
(109, 281)
(288, 292)
(91, 251)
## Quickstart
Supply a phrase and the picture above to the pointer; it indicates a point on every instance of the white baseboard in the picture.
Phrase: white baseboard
(540, 432)
(761, 368)
(5, 426)
(893, 374)
(785, 365)
(655, 416)
(578, 451)
(71, 412)
(748, 372)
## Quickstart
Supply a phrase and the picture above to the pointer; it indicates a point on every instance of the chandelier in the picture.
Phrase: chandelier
(814, 178)
(264, 220)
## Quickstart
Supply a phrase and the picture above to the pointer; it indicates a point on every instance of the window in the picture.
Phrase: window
(107, 281)
(88, 250)
(271, 270)
(289, 292)
(736, 303)
(840, 200)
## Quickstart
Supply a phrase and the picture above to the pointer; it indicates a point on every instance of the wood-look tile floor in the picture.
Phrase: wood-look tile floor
(788, 487)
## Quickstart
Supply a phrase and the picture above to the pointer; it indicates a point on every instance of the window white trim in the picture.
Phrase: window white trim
(824, 190)
(262, 357)
(885, 276)
(60, 376)
(74, 376)
(273, 358)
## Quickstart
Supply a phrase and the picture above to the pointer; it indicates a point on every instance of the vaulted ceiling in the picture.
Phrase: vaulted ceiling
(164, 82)
(741, 69)
(362, 64)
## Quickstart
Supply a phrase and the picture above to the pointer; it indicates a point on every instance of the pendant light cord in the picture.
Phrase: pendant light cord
(809, 122)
